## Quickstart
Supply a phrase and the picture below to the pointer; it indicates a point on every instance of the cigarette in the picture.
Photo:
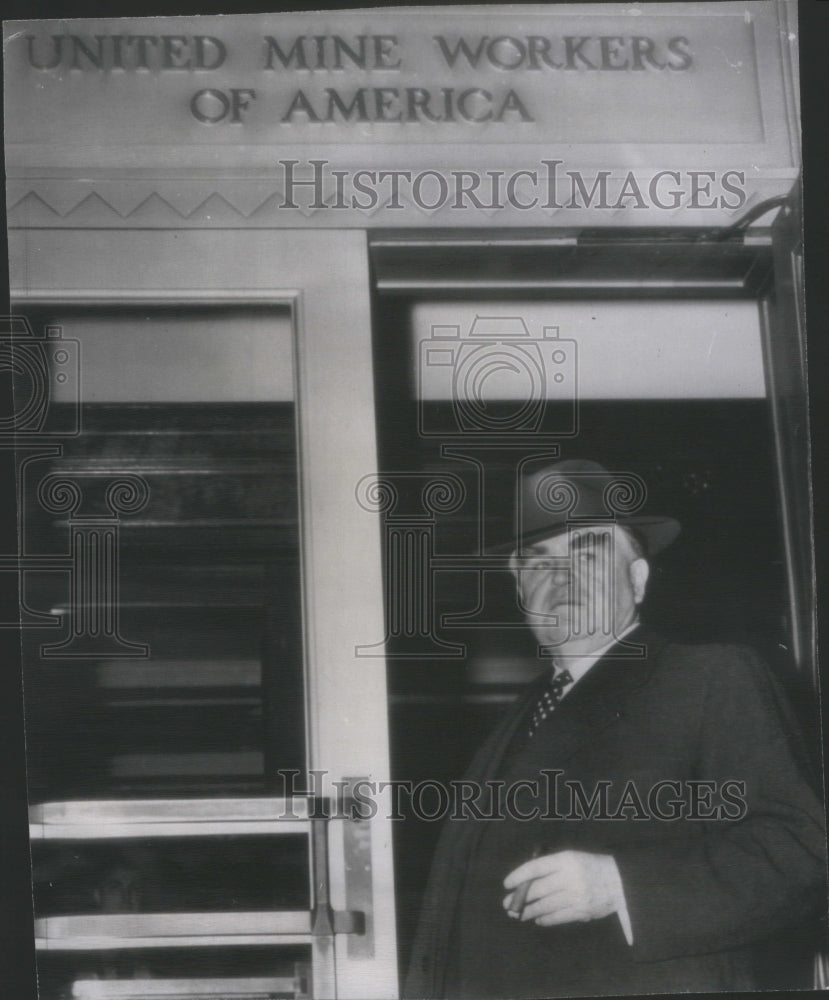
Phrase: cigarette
(519, 896)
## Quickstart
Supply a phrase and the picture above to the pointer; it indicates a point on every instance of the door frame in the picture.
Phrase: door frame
(759, 264)
(323, 277)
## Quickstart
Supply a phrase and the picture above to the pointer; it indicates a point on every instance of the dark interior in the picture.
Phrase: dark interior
(209, 582)
(708, 463)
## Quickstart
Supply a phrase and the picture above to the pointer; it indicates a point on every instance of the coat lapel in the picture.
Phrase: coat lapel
(595, 702)
(455, 846)
(598, 700)
(487, 761)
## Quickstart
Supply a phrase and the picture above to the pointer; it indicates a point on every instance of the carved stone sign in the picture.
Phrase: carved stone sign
(599, 113)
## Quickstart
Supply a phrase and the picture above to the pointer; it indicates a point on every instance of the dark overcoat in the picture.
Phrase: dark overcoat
(711, 866)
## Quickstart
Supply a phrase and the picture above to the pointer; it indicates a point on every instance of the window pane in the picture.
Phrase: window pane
(174, 665)
(591, 350)
(153, 354)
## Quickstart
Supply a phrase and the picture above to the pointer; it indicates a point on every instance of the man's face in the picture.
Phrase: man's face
(580, 589)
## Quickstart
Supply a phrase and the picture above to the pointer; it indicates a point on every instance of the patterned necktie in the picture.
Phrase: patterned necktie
(549, 699)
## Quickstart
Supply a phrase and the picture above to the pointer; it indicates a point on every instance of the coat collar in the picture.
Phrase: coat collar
(599, 699)
(596, 701)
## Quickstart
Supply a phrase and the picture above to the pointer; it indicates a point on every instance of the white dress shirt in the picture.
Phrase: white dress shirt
(579, 665)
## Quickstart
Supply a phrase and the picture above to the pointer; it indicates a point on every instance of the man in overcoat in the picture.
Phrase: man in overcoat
(645, 820)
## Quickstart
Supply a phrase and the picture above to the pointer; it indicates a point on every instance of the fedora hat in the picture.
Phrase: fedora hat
(577, 492)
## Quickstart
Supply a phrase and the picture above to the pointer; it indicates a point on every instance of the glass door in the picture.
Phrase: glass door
(654, 357)
(197, 584)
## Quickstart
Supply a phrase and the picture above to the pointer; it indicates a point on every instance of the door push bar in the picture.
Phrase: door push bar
(103, 820)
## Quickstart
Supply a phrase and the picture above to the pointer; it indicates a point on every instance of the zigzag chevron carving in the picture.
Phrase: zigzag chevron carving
(114, 204)
(214, 207)
(203, 203)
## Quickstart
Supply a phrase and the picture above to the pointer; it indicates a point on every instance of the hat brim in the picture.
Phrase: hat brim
(657, 533)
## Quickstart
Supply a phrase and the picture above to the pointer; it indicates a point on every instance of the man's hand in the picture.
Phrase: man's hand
(568, 886)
